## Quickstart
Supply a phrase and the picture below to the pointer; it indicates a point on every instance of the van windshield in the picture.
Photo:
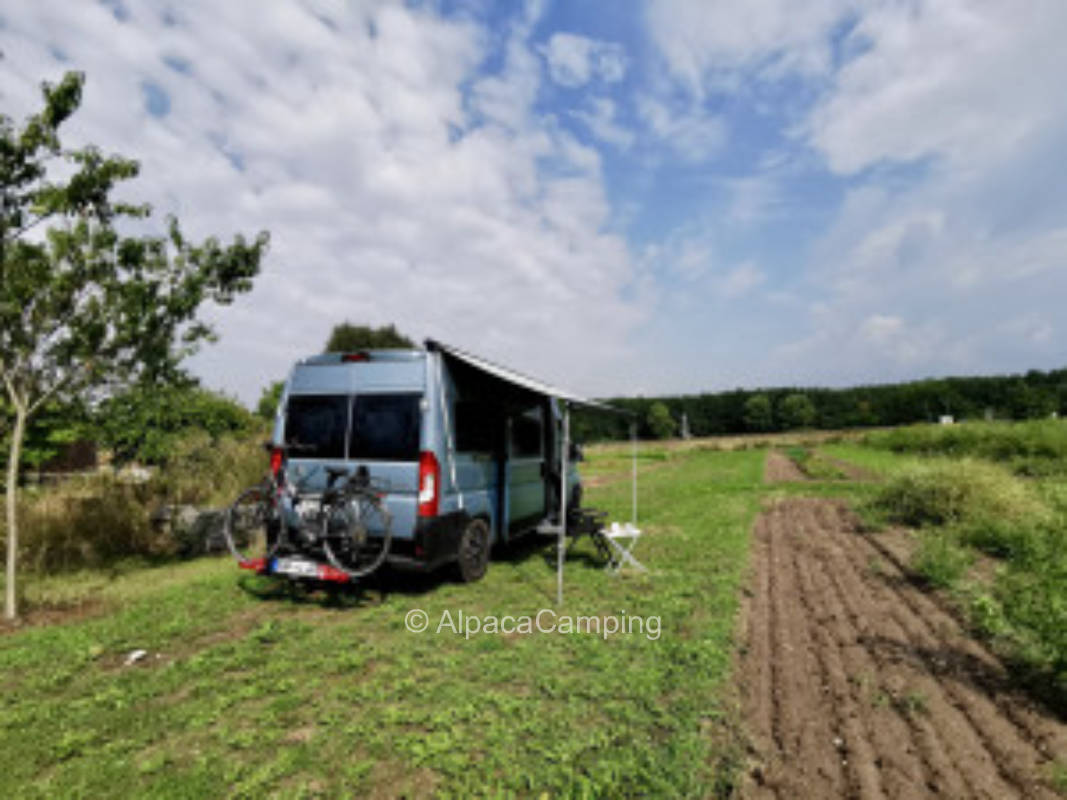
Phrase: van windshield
(385, 427)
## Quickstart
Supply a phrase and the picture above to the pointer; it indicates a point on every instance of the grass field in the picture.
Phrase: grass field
(246, 691)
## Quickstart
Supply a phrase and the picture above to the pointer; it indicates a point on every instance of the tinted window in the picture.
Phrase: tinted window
(526, 434)
(315, 425)
(386, 427)
(476, 425)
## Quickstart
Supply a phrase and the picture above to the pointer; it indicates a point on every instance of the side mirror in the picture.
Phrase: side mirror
(575, 453)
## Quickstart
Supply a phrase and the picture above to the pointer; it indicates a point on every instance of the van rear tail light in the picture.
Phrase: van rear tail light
(276, 458)
(348, 358)
(429, 484)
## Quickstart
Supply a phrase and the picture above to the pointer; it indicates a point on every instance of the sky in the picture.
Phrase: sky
(619, 197)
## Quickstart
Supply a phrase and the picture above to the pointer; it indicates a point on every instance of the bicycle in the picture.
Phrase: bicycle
(255, 525)
(348, 515)
(268, 520)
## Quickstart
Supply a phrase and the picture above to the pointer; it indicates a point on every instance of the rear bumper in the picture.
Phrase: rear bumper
(316, 572)
(435, 543)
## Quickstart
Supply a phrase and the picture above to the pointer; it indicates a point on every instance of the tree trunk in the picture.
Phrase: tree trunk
(10, 609)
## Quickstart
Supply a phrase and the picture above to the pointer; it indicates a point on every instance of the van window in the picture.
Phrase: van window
(476, 426)
(315, 425)
(526, 434)
(385, 427)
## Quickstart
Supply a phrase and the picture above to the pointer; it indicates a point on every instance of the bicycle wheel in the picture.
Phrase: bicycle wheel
(248, 525)
(357, 533)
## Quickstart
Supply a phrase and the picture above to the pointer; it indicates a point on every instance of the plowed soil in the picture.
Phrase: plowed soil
(856, 683)
(780, 468)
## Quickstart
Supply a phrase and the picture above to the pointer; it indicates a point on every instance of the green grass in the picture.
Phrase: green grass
(1058, 776)
(877, 461)
(940, 558)
(813, 464)
(247, 692)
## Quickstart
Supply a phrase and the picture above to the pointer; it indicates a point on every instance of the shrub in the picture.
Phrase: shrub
(147, 424)
(940, 559)
(946, 491)
(207, 471)
(1001, 538)
(88, 524)
(1036, 447)
(1034, 598)
(105, 519)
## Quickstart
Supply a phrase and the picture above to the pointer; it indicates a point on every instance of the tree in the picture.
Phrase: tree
(347, 337)
(660, 421)
(757, 413)
(146, 423)
(796, 411)
(269, 399)
(85, 308)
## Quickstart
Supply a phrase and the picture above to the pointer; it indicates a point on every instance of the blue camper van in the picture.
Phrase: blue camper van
(465, 454)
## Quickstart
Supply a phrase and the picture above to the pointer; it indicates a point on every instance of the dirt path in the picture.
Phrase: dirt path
(780, 468)
(857, 684)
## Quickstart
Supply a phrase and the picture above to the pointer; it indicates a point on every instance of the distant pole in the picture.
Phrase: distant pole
(633, 470)
(561, 545)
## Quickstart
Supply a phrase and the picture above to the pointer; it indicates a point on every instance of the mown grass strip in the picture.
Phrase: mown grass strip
(260, 695)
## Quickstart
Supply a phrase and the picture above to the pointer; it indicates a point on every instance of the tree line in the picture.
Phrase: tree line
(1027, 396)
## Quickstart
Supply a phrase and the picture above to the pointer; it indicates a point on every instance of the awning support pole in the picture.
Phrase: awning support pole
(633, 473)
(561, 546)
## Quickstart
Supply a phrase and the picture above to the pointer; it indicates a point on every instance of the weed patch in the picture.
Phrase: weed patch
(946, 491)
(940, 559)
(1035, 447)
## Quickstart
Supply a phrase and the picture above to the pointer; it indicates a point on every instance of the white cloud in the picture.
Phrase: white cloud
(706, 41)
(754, 198)
(966, 81)
(575, 60)
(1032, 328)
(600, 118)
(741, 280)
(391, 194)
(689, 131)
(881, 328)
(946, 117)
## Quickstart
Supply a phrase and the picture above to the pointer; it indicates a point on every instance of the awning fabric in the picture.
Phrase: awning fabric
(518, 379)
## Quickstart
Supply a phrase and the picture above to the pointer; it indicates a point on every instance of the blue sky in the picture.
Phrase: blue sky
(622, 197)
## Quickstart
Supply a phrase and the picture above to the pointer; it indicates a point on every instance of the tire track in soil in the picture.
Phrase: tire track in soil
(855, 683)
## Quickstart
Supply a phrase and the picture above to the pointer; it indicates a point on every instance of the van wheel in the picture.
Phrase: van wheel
(472, 557)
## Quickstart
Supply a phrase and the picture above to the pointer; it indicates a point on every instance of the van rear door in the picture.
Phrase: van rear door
(378, 430)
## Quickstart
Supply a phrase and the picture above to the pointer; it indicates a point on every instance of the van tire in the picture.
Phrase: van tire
(472, 554)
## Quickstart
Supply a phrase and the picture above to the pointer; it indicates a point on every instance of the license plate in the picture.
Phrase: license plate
(296, 567)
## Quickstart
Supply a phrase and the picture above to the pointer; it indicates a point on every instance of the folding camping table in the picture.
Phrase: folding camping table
(619, 541)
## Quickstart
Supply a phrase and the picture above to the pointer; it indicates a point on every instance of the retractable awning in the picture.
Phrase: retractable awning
(518, 379)
(529, 384)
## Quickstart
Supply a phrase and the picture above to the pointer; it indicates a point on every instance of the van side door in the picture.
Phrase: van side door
(525, 472)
